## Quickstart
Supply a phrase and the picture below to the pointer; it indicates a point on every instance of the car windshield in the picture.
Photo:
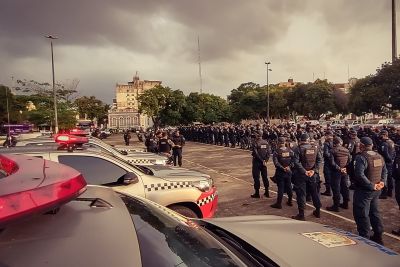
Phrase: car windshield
(106, 146)
(171, 240)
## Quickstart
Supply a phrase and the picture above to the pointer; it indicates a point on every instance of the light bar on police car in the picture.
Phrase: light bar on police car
(32, 185)
(68, 139)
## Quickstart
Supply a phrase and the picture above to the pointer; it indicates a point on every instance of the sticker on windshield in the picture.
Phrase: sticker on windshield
(330, 239)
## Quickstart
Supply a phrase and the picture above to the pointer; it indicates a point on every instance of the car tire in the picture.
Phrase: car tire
(185, 211)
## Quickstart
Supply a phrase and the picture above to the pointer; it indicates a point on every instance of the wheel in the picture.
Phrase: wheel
(185, 211)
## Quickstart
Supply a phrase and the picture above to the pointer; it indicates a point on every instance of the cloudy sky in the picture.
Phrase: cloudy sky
(102, 43)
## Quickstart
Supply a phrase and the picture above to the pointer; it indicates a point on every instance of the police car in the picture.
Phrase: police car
(135, 157)
(188, 192)
(48, 217)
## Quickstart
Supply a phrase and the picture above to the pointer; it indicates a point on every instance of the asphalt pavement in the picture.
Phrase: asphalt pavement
(231, 171)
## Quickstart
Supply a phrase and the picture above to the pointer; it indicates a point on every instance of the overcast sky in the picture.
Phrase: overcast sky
(105, 42)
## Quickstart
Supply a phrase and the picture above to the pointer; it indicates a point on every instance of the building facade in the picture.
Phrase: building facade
(124, 113)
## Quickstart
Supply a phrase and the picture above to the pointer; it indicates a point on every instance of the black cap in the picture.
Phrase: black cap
(353, 132)
(366, 141)
(337, 140)
(281, 140)
(304, 137)
(328, 133)
(384, 132)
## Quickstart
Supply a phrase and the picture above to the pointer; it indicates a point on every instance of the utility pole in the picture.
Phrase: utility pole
(268, 70)
(394, 33)
(54, 88)
(201, 79)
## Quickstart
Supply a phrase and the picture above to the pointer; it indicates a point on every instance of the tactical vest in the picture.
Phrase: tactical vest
(163, 146)
(391, 148)
(284, 156)
(341, 156)
(308, 156)
(178, 140)
(263, 149)
(375, 166)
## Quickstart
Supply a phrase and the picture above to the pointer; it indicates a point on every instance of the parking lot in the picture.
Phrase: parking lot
(231, 170)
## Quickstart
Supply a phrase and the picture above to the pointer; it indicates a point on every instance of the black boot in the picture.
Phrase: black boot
(377, 238)
(344, 205)
(396, 232)
(266, 194)
(276, 206)
(332, 208)
(327, 192)
(299, 217)
(317, 213)
(256, 194)
(289, 202)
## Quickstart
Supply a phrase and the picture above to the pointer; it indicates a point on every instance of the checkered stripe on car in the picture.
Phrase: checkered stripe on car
(206, 200)
(167, 186)
(141, 161)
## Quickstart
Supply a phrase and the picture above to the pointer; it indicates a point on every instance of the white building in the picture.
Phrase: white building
(124, 113)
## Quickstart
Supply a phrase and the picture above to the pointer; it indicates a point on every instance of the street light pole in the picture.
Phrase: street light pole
(54, 88)
(268, 70)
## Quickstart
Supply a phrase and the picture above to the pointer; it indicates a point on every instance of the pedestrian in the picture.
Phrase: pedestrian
(339, 161)
(283, 161)
(370, 178)
(127, 137)
(261, 153)
(307, 160)
(165, 145)
(179, 142)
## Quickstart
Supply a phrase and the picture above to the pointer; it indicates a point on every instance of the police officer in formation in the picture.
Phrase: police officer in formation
(178, 142)
(370, 179)
(283, 161)
(387, 150)
(339, 161)
(327, 147)
(261, 153)
(307, 160)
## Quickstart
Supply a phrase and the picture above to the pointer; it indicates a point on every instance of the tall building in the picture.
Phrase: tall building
(124, 112)
(289, 84)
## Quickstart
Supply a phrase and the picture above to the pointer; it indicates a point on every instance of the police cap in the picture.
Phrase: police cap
(384, 132)
(353, 132)
(328, 133)
(337, 140)
(304, 137)
(366, 141)
(281, 140)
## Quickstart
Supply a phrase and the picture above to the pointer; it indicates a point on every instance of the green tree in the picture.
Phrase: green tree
(91, 107)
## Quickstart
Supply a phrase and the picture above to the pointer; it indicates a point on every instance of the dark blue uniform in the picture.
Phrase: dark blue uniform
(307, 157)
(283, 161)
(260, 153)
(369, 170)
(386, 149)
(326, 151)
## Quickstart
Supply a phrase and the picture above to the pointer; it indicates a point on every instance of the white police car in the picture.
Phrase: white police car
(48, 217)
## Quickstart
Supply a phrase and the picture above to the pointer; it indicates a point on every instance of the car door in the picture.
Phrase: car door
(99, 170)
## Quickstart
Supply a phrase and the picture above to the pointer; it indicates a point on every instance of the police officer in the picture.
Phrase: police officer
(387, 150)
(260, 153)
(307, 159)
(127, 137)
(179, 142)
(283, 160)
(326, 151)
(339, 160)
(370, 178)
(165, 144)
(353, 146)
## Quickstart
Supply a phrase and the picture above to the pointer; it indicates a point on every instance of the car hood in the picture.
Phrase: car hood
(145, 155)
(297, 243)
(168, 172)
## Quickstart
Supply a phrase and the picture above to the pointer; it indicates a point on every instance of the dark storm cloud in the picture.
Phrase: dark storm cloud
(224, 26)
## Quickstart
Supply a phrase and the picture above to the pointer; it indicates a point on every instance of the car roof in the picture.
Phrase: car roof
(79, 234)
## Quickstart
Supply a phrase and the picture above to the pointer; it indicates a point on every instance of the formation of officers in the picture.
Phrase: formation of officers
(364, 161)
(165, 142)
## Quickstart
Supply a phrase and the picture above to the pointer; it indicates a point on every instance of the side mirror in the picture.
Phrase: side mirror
(124, 152)
(129, 178)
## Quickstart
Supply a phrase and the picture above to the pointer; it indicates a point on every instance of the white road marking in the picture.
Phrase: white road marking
(274, 192)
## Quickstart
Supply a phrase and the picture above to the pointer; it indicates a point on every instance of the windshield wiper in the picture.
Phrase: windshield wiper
(249, 252)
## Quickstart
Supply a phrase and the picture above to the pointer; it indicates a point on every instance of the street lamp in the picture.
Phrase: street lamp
(268, 70)
(54, 88)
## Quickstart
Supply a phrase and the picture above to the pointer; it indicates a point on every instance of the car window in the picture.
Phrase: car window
(96, 170)
(168, 241)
